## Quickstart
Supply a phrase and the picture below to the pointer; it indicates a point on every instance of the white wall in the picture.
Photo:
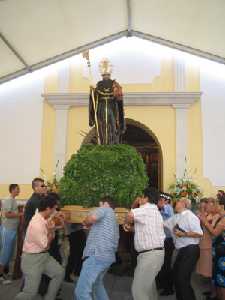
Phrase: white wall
(20, 130)
(133, 60)
(213, 115)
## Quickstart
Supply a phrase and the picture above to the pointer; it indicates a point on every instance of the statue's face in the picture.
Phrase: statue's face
(105, 76)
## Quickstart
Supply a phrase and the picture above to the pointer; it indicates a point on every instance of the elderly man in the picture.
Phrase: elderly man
(187, 232)
(99, 253)
(149, 243)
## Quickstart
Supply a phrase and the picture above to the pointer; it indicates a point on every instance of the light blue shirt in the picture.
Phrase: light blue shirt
(167, 212)
(103, 237)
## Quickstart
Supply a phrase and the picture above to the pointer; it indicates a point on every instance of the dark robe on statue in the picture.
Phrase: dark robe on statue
(108, 100)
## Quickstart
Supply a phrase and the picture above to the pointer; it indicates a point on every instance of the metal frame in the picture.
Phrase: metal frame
(129, 18)
(177, 46)
(128, 33)
(63, 56)
(15, 52)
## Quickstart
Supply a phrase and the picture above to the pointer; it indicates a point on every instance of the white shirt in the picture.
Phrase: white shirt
(148, 228)
(187, 221)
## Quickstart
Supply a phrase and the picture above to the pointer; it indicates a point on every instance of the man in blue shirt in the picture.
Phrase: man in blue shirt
(164, 280)
(99, 253)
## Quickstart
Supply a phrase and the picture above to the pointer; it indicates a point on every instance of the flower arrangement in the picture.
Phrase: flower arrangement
(185, 187)
(52, 184)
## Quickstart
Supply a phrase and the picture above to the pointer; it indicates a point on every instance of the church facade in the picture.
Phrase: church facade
(173, 109)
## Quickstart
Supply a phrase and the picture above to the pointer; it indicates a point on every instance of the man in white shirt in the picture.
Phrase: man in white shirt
(187, 232)
(149, 242)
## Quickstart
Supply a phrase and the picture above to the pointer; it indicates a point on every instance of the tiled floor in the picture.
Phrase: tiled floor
(118, 289)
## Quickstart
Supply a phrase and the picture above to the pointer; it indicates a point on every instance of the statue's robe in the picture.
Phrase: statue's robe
(108, 102)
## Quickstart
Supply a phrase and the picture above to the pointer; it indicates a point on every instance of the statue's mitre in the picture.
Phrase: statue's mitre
(105, 66)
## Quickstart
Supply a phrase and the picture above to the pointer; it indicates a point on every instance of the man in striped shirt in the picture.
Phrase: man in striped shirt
(99, 253)
(149, 242)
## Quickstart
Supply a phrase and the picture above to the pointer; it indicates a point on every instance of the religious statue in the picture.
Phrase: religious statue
(106, 111)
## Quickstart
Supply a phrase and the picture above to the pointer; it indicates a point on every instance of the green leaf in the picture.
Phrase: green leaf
(96, 171)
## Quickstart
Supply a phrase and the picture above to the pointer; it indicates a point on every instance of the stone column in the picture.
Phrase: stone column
(181, 138)
(61, 113)
(61, 138)
(181, 119)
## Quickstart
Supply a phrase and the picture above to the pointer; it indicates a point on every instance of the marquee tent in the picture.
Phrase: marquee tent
(35, 33)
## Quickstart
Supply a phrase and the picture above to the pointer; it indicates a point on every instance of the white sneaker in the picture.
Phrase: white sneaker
(6, 281)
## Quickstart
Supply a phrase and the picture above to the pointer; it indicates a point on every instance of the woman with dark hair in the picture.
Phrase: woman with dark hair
(221, 197)
(218, 231)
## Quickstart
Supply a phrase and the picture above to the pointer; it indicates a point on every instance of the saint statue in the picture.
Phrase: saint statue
(106, 111)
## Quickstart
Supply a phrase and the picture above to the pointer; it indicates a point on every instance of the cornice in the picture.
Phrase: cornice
(174, 99)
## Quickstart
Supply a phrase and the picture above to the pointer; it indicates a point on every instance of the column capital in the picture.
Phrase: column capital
(181, 106)
(61, 106)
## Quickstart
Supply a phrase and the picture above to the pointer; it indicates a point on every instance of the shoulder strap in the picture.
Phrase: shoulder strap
(219, 219)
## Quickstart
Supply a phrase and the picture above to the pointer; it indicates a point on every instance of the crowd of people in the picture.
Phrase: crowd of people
(171, 241)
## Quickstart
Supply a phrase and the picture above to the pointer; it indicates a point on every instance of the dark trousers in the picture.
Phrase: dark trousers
(185, 263)
(77, 242)
(164, 279)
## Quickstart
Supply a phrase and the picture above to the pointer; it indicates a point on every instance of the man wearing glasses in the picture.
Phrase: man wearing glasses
(33, 203)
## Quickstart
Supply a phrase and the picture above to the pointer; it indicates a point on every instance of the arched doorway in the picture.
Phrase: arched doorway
(146, 143)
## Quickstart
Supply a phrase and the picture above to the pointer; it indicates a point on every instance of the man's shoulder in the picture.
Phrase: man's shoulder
(146, 207)
(188, 212)
(105, 211)
(7, 198)
(6, 202)
(109, 211)
(190, 215)
(37, 220)
(33, 199)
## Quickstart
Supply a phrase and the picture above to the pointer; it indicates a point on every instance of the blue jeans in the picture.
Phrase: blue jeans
(0, 237)
(90, 283)
(8, 244)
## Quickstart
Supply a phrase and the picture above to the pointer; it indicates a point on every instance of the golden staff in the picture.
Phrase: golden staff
(106, 120)
(95, 104)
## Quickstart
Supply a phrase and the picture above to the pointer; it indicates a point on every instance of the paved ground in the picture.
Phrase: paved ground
(118, 289)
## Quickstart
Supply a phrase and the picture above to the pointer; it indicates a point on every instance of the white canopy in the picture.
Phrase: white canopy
(35, 33)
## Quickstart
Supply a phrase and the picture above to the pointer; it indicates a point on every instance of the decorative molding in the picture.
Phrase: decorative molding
(130, 99)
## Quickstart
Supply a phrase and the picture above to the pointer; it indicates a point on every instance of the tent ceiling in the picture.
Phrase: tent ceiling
(37, 33)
